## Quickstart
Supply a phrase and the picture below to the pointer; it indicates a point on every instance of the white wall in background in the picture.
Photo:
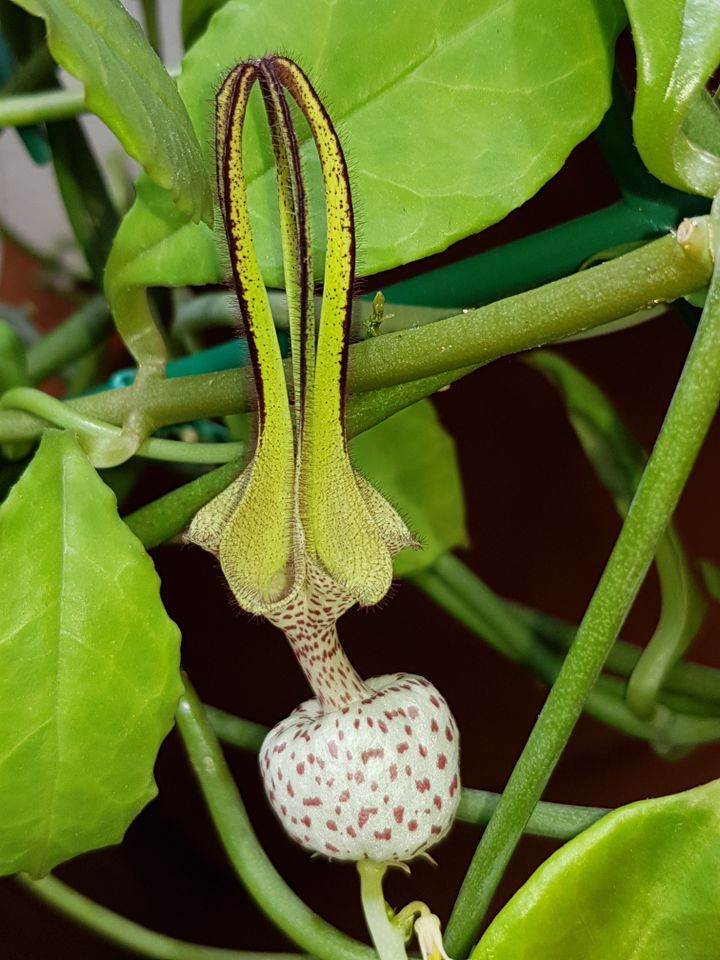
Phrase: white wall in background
(29, 203)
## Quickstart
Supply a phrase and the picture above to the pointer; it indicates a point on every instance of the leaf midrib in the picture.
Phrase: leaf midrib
(54, 719)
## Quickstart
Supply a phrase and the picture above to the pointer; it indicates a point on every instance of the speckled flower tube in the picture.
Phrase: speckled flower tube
(367, 770)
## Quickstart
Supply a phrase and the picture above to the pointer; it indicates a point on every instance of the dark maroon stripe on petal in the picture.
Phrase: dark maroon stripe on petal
(284, 136)
(281, 68)
(242, 78)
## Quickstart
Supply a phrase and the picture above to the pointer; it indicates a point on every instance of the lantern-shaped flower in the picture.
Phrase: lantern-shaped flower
(366, 769)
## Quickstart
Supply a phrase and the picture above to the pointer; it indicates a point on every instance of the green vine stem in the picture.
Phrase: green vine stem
(261, 880)
(691, 680)
(69, 341)
(21, 110)
(128, 934)
(164, 518)
(386, 937)
(686, 423)
(560, 821)
(455, 588)
(439, 352)
(682, 613)
(91, 429)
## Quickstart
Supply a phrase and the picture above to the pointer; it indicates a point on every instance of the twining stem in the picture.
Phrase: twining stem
(694, 681)
(560, 821)
(514, 634)
(619, 461)
(128, 934)
(62, 415)
(687, 421)
(444, 350)
(386, 937)
(263, 883)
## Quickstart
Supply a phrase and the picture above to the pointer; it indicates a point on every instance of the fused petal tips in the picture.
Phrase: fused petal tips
(299, 505)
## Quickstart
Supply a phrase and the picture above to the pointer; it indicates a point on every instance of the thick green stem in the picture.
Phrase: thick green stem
(688, 419)
(127, 934)
(386, 937)
(442, 351)
(262, 881)
(167, 516)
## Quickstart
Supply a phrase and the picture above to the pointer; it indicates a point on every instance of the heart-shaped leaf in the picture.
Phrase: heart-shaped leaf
(195, 16)
(89, 663)
(642, 884)
(675, 123)
(127, 86)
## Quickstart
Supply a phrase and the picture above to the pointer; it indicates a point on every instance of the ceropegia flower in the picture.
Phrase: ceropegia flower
(365, 769)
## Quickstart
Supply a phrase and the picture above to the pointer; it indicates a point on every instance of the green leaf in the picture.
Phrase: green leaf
(195, 17)
(127, 86)
(642, 884)
(702, 124)
(451, 116)
(411, 460)
(615, 455)
(677, 44)
(89, 674)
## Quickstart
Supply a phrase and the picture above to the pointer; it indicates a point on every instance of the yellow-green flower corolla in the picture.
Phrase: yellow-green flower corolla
(299, 526)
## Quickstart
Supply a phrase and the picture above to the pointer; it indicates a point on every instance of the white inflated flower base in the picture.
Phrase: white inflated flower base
(377, 779)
